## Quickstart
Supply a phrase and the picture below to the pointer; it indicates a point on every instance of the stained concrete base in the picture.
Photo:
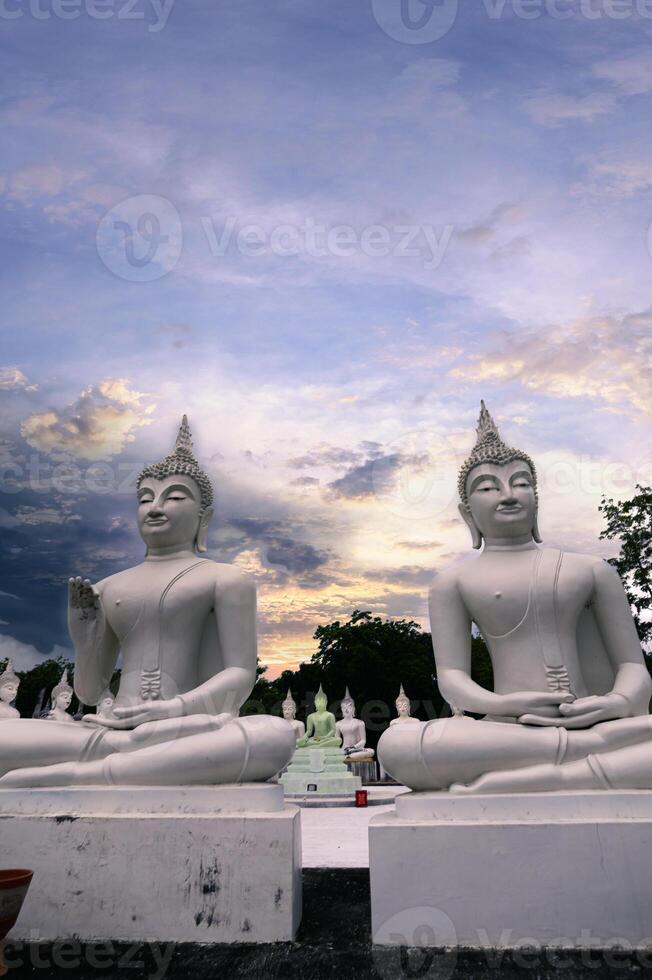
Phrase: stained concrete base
(560, 870)
(169, 864)
(334, 940)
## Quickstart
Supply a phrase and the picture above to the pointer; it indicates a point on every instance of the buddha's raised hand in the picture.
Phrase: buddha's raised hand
(86, 620)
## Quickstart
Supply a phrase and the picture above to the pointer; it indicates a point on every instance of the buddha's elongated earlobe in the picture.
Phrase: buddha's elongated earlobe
(536, 534)
(476, 536)
(201, 542)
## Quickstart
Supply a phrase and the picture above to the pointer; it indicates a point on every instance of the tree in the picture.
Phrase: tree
(630, 521)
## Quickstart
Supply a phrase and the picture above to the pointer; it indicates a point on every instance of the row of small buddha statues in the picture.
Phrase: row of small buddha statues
(60, 698)
(569, 708)
(324, 731)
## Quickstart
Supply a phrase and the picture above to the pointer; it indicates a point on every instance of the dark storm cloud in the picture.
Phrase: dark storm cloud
(278, 545)
(372, 477)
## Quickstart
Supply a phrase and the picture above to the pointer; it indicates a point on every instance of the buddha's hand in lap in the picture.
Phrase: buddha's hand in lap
(139, 714)
(584, 712)
(86, 620)
(533, 702)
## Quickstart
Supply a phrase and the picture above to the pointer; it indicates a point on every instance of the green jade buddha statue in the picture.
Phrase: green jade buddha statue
(321, 731)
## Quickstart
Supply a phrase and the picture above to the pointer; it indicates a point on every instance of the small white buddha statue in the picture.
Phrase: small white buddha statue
(403, 710)
(61, 701)
(352, 731)
(289, 709)
(9, 684)
(105, 704)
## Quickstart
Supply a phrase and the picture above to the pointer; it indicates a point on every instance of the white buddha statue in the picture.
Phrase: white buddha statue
(352, 731)
(105, 705)
(569, 709)
(61, 701)
(289, 709)
(403, 708)
(9, 684)
(186, 629)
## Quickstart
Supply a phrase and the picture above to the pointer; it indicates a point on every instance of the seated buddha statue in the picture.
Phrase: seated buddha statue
(185, 627)
(61, 701)
(105, 704)
(321, 730)
(403, 708)
(9, 684)
(571, 693)
(289, 709)
(352, 731)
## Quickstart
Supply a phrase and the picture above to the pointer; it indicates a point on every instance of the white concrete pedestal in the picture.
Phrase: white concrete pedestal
(322, 772)
(558, 870)
(214, 864)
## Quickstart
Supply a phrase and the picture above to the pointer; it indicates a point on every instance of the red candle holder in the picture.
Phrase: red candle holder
(361, 798)
(13, 888)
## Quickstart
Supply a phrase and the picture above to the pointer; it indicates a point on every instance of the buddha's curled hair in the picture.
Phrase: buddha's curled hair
(181, 462)
(490, 448)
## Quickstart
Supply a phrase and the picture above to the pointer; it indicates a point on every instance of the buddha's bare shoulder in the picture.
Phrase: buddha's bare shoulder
(591, 565)
(230, 578)
(450, 579)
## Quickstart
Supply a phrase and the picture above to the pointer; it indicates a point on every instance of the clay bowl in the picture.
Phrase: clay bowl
(13, 888)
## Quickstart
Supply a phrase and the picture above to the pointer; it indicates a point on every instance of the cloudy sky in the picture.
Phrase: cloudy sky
(324, 231)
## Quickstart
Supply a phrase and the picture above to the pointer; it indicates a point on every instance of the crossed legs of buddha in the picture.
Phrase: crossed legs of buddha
(468, 756)
(195, 750)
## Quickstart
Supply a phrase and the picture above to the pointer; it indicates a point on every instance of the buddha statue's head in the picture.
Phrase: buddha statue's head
(62, 694)
(175, 500)
(402, 704)
(9, 684)
(105, 704)
(321, 700)
(497, 486)
(347, 705)
(289, 707)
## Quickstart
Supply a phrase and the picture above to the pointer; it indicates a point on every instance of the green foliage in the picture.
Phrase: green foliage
(630, 521)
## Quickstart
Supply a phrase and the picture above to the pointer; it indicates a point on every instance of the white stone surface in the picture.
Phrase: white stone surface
(338, 837)
(561, 869)
(223, 866)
